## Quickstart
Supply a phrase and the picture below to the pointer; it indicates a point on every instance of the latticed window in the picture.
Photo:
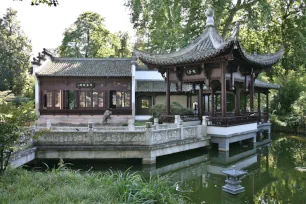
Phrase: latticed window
(123, 99)
(57, 95)
(47, 99)
(98, 99)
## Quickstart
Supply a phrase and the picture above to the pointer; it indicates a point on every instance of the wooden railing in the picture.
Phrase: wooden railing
(184, 118)
(232, 121)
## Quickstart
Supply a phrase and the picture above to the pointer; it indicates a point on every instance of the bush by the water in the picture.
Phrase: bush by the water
(58, 186)
(175, 109)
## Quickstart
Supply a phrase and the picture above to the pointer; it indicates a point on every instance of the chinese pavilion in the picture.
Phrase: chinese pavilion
(216, 66)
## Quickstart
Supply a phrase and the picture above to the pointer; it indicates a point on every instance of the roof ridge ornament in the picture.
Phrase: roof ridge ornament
(210, 17)
(235, 32)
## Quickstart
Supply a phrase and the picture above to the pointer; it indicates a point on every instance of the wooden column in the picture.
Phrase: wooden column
(168, 93)
(204, 104)
(245, 102)
(237, 100)
(212, 101)
(154, 98)
(200, 100)
(267, 102)
(223, 88)
(252, 93)
(259, 108)
(187, 100)
(208, 104)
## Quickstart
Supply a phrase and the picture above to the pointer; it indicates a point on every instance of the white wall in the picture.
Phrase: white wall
(181, 99)
(148, 75)
(213, 130)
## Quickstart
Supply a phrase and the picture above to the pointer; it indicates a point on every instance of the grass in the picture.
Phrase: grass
(67, 186)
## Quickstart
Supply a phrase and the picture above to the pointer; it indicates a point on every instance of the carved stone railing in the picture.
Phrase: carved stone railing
(130, 135)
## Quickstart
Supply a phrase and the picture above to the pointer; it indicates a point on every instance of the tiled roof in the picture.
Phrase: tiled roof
(208, 45)
(160, 86)
(88, 67)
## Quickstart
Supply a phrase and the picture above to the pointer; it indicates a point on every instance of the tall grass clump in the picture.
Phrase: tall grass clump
(63, 185)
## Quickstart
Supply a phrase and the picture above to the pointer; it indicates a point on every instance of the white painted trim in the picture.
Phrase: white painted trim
(133, 90)
(149, 76)
(227, 131)
(143, 117)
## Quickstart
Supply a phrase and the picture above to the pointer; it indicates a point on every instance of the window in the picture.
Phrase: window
(98, 99)
(47, 99)
(85, 99)
(57, 95)
(145, 103)
(123, 99)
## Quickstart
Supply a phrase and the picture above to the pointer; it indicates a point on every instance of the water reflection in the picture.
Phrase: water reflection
(272, 177)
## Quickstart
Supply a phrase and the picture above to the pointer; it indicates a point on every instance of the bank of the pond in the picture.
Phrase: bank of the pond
(58, 186)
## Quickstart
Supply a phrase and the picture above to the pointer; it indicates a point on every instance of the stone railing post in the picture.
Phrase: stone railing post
(149, 133)
(49, 124)
(181, 127)
(156, 121)
(131, 125)
(90, 126)
(177, 119)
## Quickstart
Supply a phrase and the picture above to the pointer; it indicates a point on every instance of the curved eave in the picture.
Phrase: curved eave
(261, 60)
(193, 58)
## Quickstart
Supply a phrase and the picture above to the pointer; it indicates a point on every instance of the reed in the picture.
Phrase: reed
(63, 185)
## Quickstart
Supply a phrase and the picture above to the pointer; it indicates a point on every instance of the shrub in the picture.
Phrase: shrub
(175, 109)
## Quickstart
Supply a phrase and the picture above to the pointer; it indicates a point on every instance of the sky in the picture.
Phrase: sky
(45, 25)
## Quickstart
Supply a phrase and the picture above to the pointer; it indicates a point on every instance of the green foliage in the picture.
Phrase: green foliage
(67, 186)
(88, 37)
(175, 109)
(15, 122)
(15, 52)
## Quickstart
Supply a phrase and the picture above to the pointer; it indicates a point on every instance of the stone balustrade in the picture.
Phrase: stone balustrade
(121, 135)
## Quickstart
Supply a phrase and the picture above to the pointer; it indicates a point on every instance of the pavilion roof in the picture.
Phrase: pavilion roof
(207, 46)
(87, 67)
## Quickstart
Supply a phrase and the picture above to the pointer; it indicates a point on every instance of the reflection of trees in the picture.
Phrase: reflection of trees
(285, 154)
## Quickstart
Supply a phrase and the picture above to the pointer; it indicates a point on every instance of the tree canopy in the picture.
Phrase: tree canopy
(15, 52)
(88, 37)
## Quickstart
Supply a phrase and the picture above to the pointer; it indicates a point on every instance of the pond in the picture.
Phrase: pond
(274, 171)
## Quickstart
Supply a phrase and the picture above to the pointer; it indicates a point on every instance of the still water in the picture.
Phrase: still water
(273, 176)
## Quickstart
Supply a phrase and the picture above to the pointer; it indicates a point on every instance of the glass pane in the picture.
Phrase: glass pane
(144, 103)
(95, 99)
(127, 99)
(49, 99)
(101, 95)
(119, 101)
(57, 99)
(88, 99)
(82, 99)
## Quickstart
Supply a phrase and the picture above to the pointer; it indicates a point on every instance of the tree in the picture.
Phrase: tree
(15, 122)
(15, 52)
(125, 47)
(169, 25)
(88, 37)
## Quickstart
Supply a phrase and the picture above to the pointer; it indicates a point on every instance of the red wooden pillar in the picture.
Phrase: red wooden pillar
(252, 93)
(267, 102)
(200, 99)
(223, 88)
(259, 108)
(212, 100)
(237, 100)
(168, 93)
